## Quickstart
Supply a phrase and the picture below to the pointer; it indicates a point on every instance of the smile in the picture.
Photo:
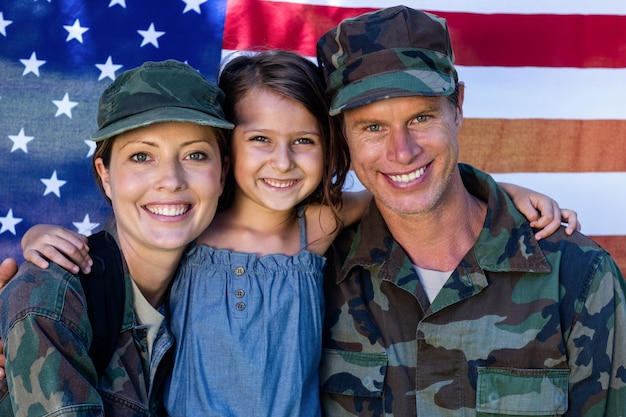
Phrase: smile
(404, 178)
(169, 210)
(280, 183)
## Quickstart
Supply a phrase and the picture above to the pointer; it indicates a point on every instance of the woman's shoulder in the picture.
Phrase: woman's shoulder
(50, 292)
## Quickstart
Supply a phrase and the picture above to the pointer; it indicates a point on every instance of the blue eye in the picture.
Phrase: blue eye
(139, 157)
(197, 156)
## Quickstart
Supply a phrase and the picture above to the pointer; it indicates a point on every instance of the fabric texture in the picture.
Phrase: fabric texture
(248, 334)
(393, 52)
(47, 334)
(520, 328)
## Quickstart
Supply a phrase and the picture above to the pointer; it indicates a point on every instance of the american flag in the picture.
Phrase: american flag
(544, 97)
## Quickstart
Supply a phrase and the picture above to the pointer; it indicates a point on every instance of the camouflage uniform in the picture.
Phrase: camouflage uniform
(47, 333)
(520, 328)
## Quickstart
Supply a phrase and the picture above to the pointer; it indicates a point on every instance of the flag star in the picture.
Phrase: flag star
(120, 2)
(20, 140)
(150, 36)
(75, 31)
(92, 147)
(53, 185)
(4, 24)
(32, 64)
(65, 106)
(108, 69)
(85, 227)
(9, 222)
(193, 5)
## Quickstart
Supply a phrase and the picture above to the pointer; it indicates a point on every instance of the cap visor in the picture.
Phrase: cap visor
(163, 114)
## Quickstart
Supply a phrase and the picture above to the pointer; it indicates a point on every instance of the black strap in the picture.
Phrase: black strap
(104, 291)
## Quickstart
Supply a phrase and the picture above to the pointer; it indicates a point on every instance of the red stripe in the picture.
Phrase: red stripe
(581, 41)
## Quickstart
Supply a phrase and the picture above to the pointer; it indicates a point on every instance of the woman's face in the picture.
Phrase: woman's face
(164, 181)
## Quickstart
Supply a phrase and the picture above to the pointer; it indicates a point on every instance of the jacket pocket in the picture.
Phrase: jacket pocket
(353, 373)
(521, 392)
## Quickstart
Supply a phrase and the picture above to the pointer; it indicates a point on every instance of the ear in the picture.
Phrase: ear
(103, 173)
(459, 105)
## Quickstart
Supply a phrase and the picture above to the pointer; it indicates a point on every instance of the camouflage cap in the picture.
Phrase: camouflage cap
(393, 52)
(167, 91)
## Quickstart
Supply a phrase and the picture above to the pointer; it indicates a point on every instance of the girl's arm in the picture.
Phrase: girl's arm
(543, 212)
(43, 243)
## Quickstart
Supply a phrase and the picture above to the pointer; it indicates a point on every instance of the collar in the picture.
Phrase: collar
(506, 242)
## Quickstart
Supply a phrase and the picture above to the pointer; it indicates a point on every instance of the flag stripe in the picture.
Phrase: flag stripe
(546, 93)
(511, 39)
(535, 145)
(612, 7)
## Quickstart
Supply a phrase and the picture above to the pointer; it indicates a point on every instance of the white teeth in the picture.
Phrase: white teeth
(279, 184)
(408, 177)
(168, 210)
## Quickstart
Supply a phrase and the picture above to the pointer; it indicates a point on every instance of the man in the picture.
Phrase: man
(441, 302)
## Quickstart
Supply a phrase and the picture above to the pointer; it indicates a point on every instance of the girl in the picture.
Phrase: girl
(159, 162)
(247, 306)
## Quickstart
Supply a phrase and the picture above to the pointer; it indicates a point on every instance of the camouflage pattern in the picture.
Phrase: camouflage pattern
(520, 328)
(47, 334)
(166, 91)
(394, 52)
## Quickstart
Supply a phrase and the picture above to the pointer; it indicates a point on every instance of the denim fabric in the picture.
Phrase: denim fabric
(248, 332)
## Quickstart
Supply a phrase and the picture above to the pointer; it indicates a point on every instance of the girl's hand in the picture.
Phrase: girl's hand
(543, 212)
(45, 242)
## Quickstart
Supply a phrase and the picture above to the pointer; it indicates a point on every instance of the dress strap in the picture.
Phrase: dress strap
(302, 222)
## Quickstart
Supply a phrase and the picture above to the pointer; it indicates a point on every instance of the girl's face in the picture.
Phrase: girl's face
(277, 154)
(164, 181)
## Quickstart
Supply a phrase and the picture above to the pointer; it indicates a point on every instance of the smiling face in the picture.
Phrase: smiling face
(405, 150)
(164, 181)
(276, 153)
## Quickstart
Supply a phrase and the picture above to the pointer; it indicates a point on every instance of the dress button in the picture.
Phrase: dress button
(239, 293)
(240, 306)
(239, 270)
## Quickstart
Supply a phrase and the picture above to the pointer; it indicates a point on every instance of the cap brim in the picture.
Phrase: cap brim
(158, 115)
(413, 82)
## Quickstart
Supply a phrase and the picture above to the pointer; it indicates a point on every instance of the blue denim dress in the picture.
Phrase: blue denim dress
(248, 334)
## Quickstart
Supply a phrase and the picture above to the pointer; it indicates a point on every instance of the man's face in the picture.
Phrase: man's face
(405, 150)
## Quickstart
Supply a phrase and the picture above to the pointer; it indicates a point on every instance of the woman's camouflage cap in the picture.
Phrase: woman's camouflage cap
(166, 91)
(393, 52)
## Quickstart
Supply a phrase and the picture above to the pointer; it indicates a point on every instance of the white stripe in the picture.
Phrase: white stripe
(541, 93)
(545, 93)
(613, 7)
(599, 198)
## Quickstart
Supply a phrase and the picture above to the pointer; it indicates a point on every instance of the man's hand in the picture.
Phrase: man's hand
(8, 268)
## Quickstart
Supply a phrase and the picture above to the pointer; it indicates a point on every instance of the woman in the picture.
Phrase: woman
(159, 161)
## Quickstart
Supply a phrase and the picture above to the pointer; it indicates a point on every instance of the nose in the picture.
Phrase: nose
(402, 147)
(171, 175)
(282, 158)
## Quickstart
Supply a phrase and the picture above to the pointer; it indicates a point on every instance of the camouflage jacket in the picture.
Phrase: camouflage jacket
(520, 328)
(47, 333)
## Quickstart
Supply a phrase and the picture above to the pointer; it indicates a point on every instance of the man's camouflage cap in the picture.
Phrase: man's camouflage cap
(167, 91)
(393, 52)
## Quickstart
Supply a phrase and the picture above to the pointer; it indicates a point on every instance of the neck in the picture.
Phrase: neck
(250, 229)
(151, 270)
(439, 239)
